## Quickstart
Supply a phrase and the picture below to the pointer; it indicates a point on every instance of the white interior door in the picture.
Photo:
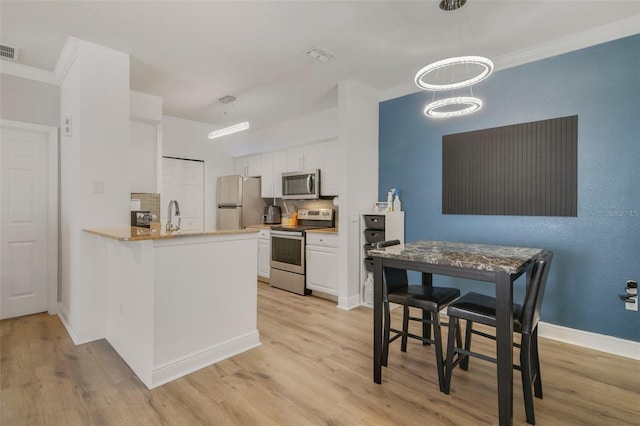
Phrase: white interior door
(24, 193)
(183, 180)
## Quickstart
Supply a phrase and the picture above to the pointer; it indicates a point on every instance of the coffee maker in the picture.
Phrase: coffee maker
(271, 215)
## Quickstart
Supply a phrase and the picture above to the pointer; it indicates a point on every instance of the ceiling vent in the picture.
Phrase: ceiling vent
(320, 54)
(8, 52)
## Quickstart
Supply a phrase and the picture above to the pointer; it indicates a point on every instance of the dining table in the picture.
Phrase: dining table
(497, 264)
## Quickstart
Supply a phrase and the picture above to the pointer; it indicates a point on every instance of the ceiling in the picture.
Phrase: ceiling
(191, 53)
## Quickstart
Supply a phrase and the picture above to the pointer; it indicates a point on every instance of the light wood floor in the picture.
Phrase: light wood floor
(314, 367)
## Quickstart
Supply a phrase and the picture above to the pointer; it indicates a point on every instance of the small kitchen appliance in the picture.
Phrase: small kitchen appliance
(271, 215)
(288, 246)
(141, 218)
(301, 185)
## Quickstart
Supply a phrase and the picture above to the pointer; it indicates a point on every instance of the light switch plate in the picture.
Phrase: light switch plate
(66, 125)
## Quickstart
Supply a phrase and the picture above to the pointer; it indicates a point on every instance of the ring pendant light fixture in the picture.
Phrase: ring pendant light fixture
(235, 128)
(483, 62)
(453, 106)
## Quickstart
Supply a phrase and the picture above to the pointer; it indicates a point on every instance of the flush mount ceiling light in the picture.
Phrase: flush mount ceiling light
(435, 109)
(229, 129)
(479, 61)
(451, 4)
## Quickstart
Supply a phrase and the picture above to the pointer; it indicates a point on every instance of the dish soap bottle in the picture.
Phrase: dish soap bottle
(397, 205)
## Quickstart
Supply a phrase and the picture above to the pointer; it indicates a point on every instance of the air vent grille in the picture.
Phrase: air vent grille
(8, 52)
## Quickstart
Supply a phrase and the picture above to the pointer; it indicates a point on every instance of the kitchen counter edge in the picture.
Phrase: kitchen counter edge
(134, 233)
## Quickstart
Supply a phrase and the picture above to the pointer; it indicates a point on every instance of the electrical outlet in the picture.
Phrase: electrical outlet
(631, 303)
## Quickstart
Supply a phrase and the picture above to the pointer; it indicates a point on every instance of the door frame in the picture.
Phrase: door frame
(53, 239)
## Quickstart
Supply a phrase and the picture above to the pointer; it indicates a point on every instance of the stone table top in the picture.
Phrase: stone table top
(463, 255)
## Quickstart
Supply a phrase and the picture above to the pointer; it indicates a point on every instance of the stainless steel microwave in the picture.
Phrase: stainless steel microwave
(302, 185)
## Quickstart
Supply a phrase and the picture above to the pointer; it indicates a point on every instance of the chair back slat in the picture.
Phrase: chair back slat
(535, 292)
(394, 279)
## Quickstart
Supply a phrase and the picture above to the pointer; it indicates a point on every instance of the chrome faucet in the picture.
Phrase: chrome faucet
(171, 227)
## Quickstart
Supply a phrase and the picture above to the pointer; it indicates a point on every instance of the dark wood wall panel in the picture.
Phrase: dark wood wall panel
(527, 169)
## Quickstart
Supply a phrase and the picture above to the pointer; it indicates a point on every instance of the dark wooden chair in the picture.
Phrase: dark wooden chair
(475, 307)
(430, 300)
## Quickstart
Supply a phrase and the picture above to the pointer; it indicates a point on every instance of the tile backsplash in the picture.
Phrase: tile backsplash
(148, 201)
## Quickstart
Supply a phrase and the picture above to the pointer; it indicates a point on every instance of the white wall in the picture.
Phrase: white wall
(188, 139)
(358, 141)
(95, 94)
(316, 127)
(29, 101)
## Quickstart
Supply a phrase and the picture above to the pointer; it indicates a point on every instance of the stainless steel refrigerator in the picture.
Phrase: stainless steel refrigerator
(239, 202)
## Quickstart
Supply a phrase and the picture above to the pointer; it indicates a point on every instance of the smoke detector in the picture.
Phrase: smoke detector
(8, 52)
(227, 99)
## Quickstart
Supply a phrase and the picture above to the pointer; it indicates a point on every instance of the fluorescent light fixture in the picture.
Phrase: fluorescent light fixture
(229, 130)
(473, 105)
(483, 62)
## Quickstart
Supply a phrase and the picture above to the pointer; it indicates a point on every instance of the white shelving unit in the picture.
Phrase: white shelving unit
(376, 226)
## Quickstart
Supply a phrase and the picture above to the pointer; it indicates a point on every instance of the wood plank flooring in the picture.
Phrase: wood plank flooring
(314, 367)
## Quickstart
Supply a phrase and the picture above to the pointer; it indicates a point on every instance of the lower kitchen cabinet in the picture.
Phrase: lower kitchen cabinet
(264, 254)
(322, 262)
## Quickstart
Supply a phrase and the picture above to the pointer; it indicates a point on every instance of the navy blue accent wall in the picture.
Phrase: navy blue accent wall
(596, 252)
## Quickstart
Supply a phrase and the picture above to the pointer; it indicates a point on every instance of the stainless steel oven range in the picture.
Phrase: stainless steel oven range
(288, 248)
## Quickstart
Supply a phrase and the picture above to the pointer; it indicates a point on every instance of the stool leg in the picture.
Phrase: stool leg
(427, 320)
(386, 332)
(537, 380)
(437, 340)
(453, 324)
(464, 361)
(525, 369)
(405, 327)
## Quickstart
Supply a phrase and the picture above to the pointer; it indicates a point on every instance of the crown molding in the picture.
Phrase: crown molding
(65, 60)
(67, 57)
(620, 29)
(617, 30)
(25, 71)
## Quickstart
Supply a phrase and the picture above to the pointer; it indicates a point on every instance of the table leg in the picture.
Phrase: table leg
(377, 319)
(504, 337)
(427, 279)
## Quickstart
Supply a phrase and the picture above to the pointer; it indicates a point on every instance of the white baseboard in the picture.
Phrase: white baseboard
(183, 366)
(598, 342)
(348, 303)
(79, 336)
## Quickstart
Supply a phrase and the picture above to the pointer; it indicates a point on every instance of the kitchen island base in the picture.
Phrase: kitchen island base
(173, 306)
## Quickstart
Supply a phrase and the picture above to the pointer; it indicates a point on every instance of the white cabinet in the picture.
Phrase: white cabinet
(330, 171)
(249, 166)
(323, 156)
(273, 164)
(305, 157)
(322, 254)
(264, 253)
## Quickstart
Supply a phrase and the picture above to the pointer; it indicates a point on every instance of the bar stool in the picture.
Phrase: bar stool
(475, 307)
(430, 300)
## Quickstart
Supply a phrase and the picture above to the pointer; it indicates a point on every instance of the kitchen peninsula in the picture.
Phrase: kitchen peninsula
(173, 302)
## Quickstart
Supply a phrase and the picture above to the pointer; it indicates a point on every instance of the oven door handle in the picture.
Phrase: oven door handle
(294, 235)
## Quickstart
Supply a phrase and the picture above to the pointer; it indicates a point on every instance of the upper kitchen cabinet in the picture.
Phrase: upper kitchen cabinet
(321, 156)
(273, 165)
(330, 173)
(250, 166)
(304, 158)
